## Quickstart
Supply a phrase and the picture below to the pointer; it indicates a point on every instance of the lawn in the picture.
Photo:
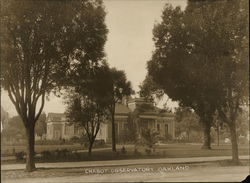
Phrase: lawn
(161, 151)
(8, 149)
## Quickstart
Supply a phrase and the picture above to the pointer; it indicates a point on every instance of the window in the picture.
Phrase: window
(166, 129)
(66, 129)
(125, 126)
(158, 127)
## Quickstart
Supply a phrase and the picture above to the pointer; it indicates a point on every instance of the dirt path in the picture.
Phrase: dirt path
(194, 174)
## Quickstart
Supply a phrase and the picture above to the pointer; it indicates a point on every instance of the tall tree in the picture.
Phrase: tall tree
(227, 32)
(150, 90)
(203, 52)
(119, 87)
(87, 103)
(233, 95)
(179, 67)
(40, 42)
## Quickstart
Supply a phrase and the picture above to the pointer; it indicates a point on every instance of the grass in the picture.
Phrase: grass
(7, 150)
(161, 151)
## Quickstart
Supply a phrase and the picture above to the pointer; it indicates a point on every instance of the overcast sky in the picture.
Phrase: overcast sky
(129, 45)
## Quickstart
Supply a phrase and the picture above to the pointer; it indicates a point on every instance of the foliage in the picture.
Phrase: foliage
(99, 143)
(203, 51)
(149, 89)
(14, 129)
(56, 154)
(4, 118)
(118, 88)
(41, 127)
(86, 99)
(149, 138)
(52, 142)
(242, 124)
(41, 42)
(187, 121)
(20, 155)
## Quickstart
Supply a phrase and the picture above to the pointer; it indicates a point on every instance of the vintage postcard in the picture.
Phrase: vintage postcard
(124, 91)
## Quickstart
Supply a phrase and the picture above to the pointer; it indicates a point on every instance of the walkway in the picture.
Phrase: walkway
(86, 164)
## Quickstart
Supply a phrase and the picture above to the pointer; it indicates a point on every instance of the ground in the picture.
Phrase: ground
(145, 173)
(169, 163)
(174, 150)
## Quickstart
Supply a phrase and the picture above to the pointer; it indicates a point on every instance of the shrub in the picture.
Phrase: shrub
(75, 139)
(99, 143)
(20, 155)
(136, 152)
(149, 138)
(123, 150)
(56, 154)
(46, 154)
(148, 151)
(52, 142)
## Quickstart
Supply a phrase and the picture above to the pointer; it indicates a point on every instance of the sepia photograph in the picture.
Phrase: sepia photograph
(124, 91)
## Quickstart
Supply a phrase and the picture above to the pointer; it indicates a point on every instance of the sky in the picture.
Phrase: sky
(129, 45)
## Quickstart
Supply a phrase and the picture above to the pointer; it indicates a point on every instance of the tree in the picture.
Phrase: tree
(136, 124)
(242, 124)
(14, 129)
(41, 126)
(187, 121)
(181, 58)
(40, 42)
(231, 66)
(4, 118)
(234, 94)
(119, 87)
(149, 138)
(203, 51)
(87, 104)
(149, 89)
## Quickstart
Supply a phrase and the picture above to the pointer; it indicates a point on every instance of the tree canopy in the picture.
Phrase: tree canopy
(42, 42)
(87, 102)
(118, 87)
(200, 56)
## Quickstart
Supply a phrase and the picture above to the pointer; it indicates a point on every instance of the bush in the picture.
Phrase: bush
(20, 155)
(63, 153)
(99, 143)
(57, 154)
(123, 150)
(136, 152)
(148, 138)
(148, 151)
(243, 140)
(46, 154)
(75, 139)
(52, 142)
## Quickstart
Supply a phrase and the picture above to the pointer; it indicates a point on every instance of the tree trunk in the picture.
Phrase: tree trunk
(90, 148)
(218, 135)
(235, 155)
(113, 131)
(206, 134)
(30, 153)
